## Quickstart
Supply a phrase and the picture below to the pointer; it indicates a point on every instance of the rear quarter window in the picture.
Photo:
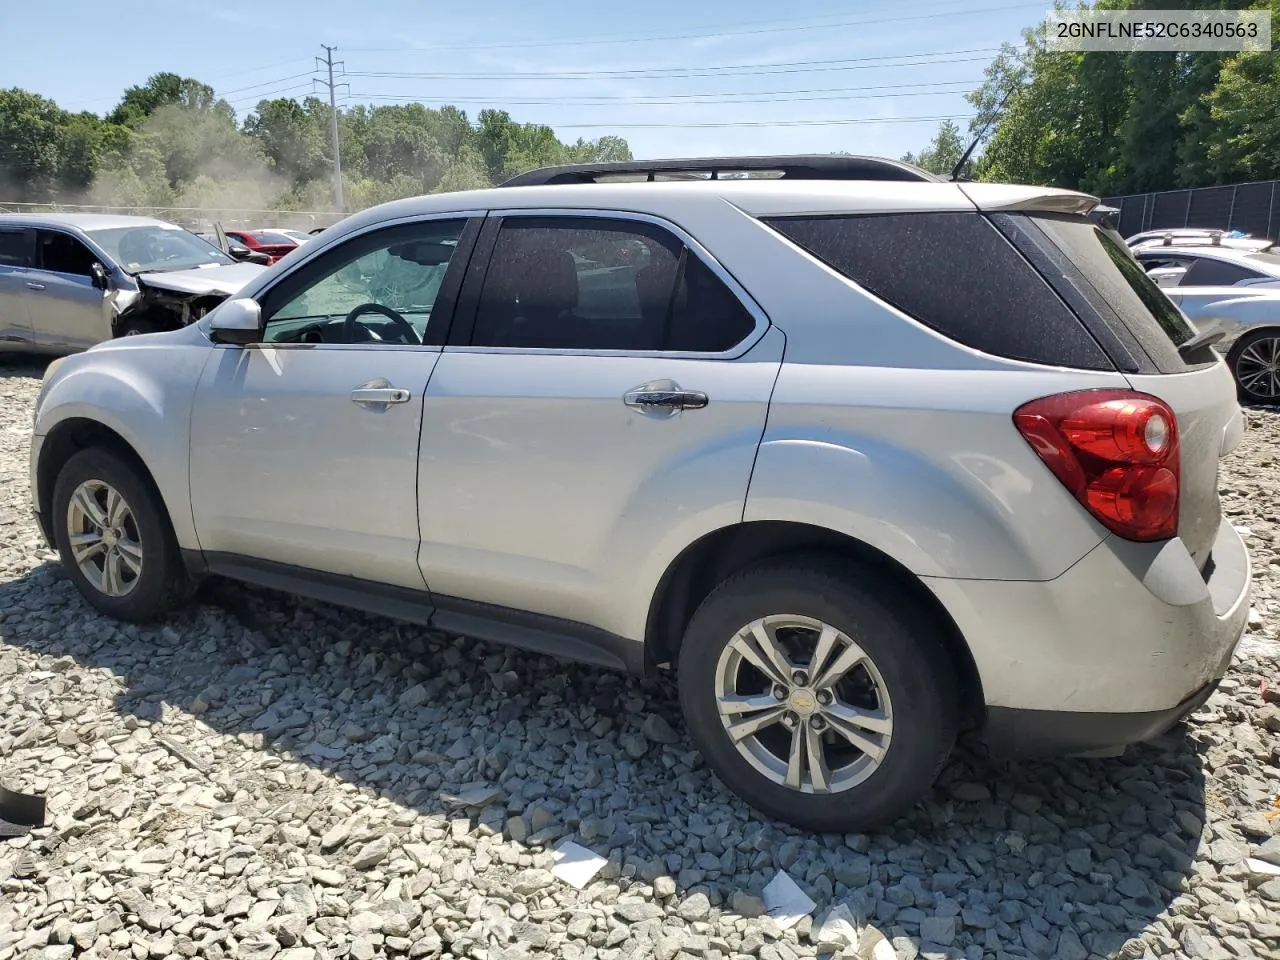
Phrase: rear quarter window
(955, 273)
(1109, 289)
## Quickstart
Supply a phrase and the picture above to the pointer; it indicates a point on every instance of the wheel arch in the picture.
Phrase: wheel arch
(67, 438)
(718, 555)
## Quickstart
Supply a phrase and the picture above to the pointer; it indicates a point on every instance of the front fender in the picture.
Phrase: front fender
(143, 394)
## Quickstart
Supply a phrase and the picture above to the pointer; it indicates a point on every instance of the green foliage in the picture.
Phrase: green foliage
(1115, 123)
(173, 142)
(943, 152)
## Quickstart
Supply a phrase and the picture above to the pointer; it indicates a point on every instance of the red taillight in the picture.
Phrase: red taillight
(1116, 451)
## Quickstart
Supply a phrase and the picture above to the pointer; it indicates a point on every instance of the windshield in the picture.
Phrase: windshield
(156, 247)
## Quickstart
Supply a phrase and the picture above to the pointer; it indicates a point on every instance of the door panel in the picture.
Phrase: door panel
(287, 466)
(541, 488)
(304, 448)
(66, 310)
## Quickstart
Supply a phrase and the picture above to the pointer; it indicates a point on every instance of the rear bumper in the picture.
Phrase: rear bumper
(1013, 733)
(1113, 651)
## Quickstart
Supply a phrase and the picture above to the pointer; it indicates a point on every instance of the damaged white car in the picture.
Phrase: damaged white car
(68, 281)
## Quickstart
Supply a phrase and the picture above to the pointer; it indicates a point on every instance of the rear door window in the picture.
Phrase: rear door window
(595, 283)
(13, 248)
(953, 272)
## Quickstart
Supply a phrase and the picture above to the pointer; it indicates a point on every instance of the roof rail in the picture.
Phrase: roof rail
(815, 167)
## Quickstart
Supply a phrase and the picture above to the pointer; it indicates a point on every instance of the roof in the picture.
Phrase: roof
(80, 221)
(677, 201)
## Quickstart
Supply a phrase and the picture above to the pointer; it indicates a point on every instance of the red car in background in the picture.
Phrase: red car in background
(274, 243)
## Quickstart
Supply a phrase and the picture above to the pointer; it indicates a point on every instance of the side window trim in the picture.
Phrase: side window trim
(464, 330)
(438, 326)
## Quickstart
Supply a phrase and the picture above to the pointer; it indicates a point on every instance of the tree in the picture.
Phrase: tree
(172, 141)
(161, 90)
(31, 141)
(1244, 106)
(943, 152)
(291, 137)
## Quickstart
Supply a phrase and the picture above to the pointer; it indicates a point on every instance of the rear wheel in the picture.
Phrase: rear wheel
(817, 695)
(1255, 363)
(114, 538)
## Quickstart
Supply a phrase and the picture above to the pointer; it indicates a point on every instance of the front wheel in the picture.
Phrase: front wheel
(114, 537)
(817, 696)
(1255, 363)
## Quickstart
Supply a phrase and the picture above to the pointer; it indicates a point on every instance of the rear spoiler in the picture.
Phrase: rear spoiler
(1005, 198)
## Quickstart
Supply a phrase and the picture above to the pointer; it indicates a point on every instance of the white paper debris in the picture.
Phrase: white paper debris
(839, 928)
(575, 864)
(1244, 531)
(1260, 868)
(785, 901)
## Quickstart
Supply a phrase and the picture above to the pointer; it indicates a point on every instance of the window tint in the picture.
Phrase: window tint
(587, 283)
(1117, 280)
(1217, 273)
(13, 248)
(953, 272)
(63, 253)
(398, 270)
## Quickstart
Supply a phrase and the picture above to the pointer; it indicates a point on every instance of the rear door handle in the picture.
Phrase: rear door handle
(31, 285)
(664, 395)
(379, 395)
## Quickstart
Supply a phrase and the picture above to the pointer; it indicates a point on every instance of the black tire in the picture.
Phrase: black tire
(914, 666)
(162, 581)
(135, 326)
(1258, 341)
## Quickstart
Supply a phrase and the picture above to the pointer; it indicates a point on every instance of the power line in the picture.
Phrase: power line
(673, 73)
(266, 83)
(615, 102)
(717, 32)
(747, 123)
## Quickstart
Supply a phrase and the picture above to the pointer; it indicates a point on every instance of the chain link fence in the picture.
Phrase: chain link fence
(196, 219)
(1250, 207)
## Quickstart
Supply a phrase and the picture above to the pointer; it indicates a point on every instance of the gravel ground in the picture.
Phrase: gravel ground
(266, 777)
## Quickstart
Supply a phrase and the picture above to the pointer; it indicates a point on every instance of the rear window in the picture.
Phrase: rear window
(956, 273)
(1112, 271)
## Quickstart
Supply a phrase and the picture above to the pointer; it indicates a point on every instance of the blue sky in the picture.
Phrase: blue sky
(653, 71)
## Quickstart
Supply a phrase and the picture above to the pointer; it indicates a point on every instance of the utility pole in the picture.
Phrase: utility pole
(327, 61)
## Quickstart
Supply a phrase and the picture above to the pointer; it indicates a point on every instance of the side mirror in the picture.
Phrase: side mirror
(99, 275)
(237, 250)
(236, 322)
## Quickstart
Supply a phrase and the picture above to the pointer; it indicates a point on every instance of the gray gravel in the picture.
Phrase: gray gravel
(263, 777)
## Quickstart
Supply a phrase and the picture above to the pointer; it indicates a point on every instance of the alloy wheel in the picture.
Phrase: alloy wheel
(104, 539)
(1258, 368)
(803, 704)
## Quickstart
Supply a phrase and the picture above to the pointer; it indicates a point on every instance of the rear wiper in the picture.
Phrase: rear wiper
(1205, 338)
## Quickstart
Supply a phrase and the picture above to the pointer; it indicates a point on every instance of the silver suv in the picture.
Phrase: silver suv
(869, 459)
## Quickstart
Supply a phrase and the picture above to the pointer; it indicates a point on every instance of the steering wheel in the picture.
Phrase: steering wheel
(352, 322)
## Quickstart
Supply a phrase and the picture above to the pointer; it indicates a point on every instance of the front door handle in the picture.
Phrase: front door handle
(664, 395)
(379, 395)
(32, 285)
